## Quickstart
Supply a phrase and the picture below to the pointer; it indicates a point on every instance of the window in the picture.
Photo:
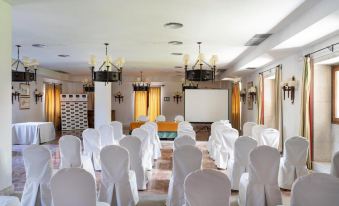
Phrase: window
(335, 94)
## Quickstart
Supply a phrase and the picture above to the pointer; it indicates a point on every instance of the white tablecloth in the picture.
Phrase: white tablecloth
(33, 132)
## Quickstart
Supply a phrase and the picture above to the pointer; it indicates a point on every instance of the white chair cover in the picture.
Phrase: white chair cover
(179, 118)
(106, 135)
(247, 128)
(239, 165)
(186, 159)
(184, 126)
(70, 151)
(257, 133)
(117, 131)
(92, 146)
(215, 141)
(190, 133)
(207, 187)
(259, 187)
(316, 189)
(183, 140)
(145, 142)
(151, 136)
(335, 165)
(118, 182)
(143, 118)
(74, 186)
(155, 140)
(293, 163)
(38, 167)
(160, 118)
(228, 135)
(9, 201)
(270, 137)
(133, 145)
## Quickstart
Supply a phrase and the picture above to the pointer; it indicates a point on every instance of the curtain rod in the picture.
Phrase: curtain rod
(270, 69)
(330, 47)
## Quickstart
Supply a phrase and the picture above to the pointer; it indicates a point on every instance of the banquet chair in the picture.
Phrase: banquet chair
(92, 146)
(207, 187)
(106, 135)
(316, 189)
(293, 163)
(155, 125)
(183, 140)
(160, 118)
(38, 168)
(270, 137)
(117, 131)
(179, 118)
(184, 126)
(190, 133)
(225, 153)
(186, 159)
(70, 151)
(74, 186)
(335, 165)
(151, 135)
(239, 164)
(118, 182)
(9, 201)
(214, 141)
(247, 128)
(143, 118)
(152, 128)
(257, 133)
(259, 187)
(145, 142)
(133, 146)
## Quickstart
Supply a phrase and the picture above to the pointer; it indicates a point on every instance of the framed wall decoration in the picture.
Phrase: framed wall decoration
(249, 99)
(24, 102)
(24, 89)
(167, 99)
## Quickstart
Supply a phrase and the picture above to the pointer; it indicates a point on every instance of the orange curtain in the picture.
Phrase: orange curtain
(154, 98)
(53, 105)
(140, 104)
(236, 106)
(260, 100)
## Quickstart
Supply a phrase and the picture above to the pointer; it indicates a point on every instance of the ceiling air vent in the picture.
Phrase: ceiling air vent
(251, 68)
(257, 39)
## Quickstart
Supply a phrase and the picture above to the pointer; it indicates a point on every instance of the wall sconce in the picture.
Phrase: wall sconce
(38, 95)
(252, 91)
(243, 95)
(177, 97)
(119, 97)
(15, 95)
(289, 86)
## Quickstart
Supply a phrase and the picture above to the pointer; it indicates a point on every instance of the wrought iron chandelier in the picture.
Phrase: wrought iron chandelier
(200, 74)
(140, 85)
(30, 67)
(108, 71)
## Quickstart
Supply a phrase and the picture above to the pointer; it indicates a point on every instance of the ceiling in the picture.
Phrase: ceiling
(135, 30)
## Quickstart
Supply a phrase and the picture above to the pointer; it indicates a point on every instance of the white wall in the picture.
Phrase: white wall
(5, 93)
(102, 105)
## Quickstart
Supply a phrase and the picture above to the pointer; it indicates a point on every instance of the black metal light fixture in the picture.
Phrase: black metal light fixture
(29, 69)
(88, 86)
(140, 85)
(38, 96)
(15, 95)
(243, 95)
(200, 73)
(189, 85)
(119, 97)
(289, 87)
(108, 71)
(177, 97)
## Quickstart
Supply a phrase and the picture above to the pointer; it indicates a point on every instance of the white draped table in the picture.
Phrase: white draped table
(32, 132)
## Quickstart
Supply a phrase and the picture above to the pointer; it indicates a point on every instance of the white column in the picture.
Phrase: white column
(102, 104)
(5, 94)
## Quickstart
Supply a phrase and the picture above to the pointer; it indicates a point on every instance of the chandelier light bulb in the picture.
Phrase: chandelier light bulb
(186, 59)
(93, 60)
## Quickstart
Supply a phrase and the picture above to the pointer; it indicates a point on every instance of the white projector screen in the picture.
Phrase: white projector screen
(206, 105)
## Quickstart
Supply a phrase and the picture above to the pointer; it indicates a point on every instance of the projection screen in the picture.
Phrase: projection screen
(206, 105)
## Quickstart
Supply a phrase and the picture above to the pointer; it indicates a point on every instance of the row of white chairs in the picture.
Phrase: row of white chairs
(160, 118)
(263, 135)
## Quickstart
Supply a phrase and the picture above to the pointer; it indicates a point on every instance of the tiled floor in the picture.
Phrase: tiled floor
(159, 178)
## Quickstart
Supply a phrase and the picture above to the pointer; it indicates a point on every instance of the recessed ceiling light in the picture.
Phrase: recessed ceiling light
(63, 55)
(39, 45)
(175, 42)
(173, 25)
(176, 53)
(178, 67)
